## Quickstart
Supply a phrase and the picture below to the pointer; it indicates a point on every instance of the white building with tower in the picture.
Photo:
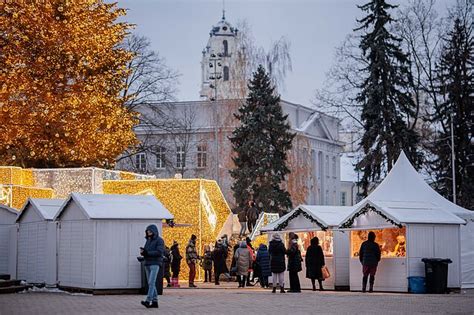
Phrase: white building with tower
(200, 147)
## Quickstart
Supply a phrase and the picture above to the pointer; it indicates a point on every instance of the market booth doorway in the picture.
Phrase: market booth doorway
(309, 221)
(405, 237)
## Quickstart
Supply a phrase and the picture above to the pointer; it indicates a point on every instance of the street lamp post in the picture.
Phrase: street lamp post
(453, 158)
(215, 74)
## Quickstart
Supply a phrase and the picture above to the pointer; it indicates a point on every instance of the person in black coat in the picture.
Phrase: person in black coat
(294, 265)
(314, 262)
(277, 252)
(175, 263)
(369, 256)
(218, 257)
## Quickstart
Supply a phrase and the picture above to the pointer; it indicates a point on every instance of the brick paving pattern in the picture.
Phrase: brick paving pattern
(227, 300)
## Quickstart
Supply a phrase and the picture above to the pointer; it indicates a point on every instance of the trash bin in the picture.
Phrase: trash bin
(159, 279)
(416, 285)
(436, 274)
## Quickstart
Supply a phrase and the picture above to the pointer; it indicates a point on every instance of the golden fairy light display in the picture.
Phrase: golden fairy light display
(62, 71)
(195, 202)
(17, 184)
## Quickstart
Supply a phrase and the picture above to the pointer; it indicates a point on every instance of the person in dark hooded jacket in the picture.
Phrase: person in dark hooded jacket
(153, 254)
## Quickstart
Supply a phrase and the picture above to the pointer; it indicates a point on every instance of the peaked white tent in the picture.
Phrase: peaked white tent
(99, 239)
(323, 220)
(37, 241)
(404, 198)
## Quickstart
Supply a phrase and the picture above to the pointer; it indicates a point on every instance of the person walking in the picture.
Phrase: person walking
(243, 263)
(277, 262)
(242, 215)
(152, 252)
(191, 259)
(219, 257)
(369, 256)
(248, 241)
(207, 264)
(263, 261)
(252, 215)
(167, 265)
(314, 261)
(175, 264)
(294, 265)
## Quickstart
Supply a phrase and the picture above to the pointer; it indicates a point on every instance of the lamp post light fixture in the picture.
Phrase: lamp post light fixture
(215, 74)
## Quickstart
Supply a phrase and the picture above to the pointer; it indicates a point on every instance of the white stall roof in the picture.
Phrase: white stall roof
(7, 215)
(407, 198)
(328, 216)
(46, 208)
(118, 207)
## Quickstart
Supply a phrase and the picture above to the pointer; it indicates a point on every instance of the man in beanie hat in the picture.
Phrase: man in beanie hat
(191, 259)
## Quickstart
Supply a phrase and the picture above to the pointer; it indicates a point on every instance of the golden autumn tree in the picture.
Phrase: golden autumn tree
(61, 73)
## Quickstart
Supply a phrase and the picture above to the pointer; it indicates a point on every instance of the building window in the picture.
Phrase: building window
(327, 166)
(140, 161)
(202, 156)
(160, 157)
(180, 157)
(343, 198)
(226, 73)
(334, 167)
(320, 164)
(326, 198)
(226, 48)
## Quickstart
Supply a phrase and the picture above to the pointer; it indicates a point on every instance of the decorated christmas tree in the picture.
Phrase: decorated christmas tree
(261, 144)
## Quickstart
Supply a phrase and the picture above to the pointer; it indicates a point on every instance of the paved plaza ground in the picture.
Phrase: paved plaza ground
(229, 300)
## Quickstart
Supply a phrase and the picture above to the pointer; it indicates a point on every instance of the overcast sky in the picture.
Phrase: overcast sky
(179, 30)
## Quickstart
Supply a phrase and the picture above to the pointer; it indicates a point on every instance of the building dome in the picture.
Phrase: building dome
(223, 28)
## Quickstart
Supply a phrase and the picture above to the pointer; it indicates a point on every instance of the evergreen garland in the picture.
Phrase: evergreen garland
(348, 224)
(295, 214)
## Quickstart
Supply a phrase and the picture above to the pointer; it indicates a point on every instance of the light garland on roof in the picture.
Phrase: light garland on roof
(295, 214)
(364, 210)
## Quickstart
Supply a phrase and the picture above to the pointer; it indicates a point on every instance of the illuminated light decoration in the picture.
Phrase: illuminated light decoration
(211, 214)
(184, 199)
(6, 195)
(349, 222)
(20, 194)
(17, 184)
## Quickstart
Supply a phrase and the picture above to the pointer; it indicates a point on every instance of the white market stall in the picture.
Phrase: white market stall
(100, 237)
(37, 241)
(8, 239)
(309, 221)
(409, 226)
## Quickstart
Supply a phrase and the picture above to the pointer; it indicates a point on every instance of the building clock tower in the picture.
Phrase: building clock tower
(219, 59)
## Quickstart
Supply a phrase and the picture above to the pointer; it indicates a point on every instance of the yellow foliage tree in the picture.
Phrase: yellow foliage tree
(61, 73)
